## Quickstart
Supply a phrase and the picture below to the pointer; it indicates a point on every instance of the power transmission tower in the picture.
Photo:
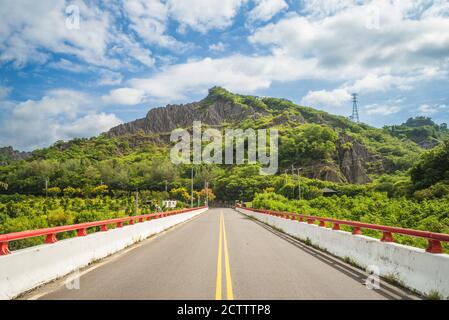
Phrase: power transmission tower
(355, 110)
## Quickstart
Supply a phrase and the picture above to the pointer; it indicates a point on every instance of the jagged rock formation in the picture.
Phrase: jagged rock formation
(165, 119)
(352, 160)
(8, 154)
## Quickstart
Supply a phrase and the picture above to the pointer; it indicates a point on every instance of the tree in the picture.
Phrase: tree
(100, 190)
(180, 194)
(419, 122)
(54, 192)
(432, 167)
(71, 192)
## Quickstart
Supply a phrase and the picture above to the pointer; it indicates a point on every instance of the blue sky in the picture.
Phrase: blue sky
(64, 77)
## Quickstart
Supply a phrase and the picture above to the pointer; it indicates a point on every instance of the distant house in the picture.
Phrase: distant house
(170, 204)
(328, 192)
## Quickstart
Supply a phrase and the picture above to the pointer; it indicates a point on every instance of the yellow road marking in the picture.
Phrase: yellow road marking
(218, 286)
(223, 240)
(230, 293)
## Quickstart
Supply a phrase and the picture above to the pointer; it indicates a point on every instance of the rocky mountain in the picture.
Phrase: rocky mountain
(361, 150)
(164, 120)
(8, 154)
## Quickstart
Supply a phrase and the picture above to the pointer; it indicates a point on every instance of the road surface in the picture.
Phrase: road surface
(221, 254)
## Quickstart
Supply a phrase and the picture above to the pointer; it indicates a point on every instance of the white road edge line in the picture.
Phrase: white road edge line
(56, 284)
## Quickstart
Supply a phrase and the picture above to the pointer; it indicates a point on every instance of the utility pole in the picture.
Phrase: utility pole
(191, 190)
(166, 186)
(299, 184)
(137, 202)
(293, 178)
(206, 188)
(46, 187)
(207, 193)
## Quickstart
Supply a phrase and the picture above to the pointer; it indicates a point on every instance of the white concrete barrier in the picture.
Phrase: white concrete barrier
(412, 267)
(29, 268)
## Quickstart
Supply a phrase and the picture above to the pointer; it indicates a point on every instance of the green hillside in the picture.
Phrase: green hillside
(378, 175)
(328, 147)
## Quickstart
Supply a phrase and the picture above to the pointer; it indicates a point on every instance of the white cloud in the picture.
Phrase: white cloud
(149, 19)
(32, 31)
(345, 49)
(326, 8)
(266, 9)
(203, 15)
(109, 78)
(60, 114)
(4, 92)
(237, 73)
(124, 96)
(384, 110)
(427, 109)
(378, 83)
(67, 65)
(324, 98)
(217, 47)
(90, 125)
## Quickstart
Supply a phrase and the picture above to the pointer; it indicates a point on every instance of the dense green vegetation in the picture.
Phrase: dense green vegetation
(421, 130)
(19, 212)
(96, 178)
(310, 138)
(374, 207)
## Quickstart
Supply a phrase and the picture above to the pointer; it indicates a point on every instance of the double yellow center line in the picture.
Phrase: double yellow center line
(222, 241)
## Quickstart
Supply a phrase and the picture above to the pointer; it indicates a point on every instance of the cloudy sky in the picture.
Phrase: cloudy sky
(77, 68)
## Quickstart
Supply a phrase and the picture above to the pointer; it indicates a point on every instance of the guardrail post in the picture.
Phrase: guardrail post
(310, 221)
(336, 227)
(119, 224)
(82, 232)
(322, 223)
(387, 237)
(434, 246)
(131, 221)
(51, 238)
(4, 248)
(301, 219)
(356, 231)
(104, 227)
(141, 219)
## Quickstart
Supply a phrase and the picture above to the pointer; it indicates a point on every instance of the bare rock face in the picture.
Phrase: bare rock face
(8, 154)
(166, 119)
(352, 158)
(329, 173)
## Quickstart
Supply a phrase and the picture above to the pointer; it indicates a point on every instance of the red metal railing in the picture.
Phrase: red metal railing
(50, 233)
(434, 239)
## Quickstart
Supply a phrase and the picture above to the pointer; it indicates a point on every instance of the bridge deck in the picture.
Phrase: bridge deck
(259, 263)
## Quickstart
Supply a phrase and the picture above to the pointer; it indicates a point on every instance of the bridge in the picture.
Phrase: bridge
(222, 254)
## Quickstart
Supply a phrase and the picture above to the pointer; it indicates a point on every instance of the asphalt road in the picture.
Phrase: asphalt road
(220, 255)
